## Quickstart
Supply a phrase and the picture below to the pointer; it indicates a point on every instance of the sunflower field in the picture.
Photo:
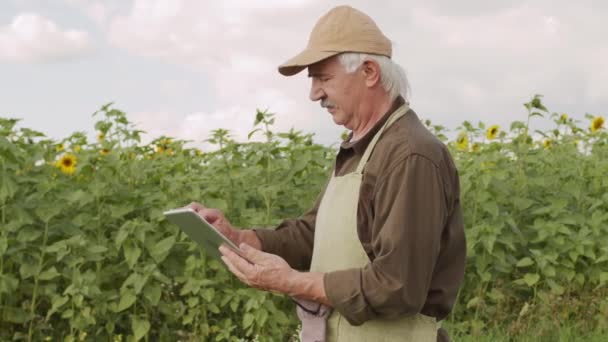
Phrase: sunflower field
(86, 254)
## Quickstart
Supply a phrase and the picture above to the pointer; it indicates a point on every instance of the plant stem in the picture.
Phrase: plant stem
(3, 221)
(268, 201)
(230, 180)
(35, 292)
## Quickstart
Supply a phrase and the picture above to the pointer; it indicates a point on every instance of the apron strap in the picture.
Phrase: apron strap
(368, 151)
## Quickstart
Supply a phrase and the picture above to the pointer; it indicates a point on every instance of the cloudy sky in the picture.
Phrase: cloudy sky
(184, 67)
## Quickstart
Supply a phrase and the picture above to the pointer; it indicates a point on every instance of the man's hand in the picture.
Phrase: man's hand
(219, 221)
(265, 272)
(272, 273)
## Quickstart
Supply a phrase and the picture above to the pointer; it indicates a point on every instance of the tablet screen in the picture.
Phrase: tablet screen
(201, 231)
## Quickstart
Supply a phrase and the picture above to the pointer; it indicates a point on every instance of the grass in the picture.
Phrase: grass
(534, 333)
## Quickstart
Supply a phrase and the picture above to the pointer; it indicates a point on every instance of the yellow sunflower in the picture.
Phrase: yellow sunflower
(475, 147)
(77, 148)
(104, 151)
(163, 147)
(199, 152)
(67, 164)
(597, 123)
(547, 143)
(563, 118)
(59, 147)
(101, 136)
(492, 132)
(462, 142)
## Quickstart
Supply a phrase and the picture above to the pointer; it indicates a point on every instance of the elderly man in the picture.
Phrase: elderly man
(382, 251)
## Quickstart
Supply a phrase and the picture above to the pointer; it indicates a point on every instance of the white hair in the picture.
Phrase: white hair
(392, 75)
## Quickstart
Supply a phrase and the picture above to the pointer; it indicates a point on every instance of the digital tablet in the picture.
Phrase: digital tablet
(201, 231)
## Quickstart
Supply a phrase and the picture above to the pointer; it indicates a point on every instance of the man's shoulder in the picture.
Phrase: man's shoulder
(408, 136)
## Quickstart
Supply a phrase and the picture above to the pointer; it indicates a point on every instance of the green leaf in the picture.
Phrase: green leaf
(80, 197)
(8, 188)
(217, 203)
(491, 208)
(27, 270)
(69, 313)
(473, 302)
(213, 308)
(97, 249)
(152, 293)
(247, 320)
(48, 211)
(30, 233)
(132, 253)
(555, 287)
(139, 283)
(8, 283)
(120, 237)
(56, 303)
(531, 278)
(208, 294)
(259, 116)
(160, 250)
(126, 300)
(524, 262)
(522, 203)
(603, 278)
(3, 244)
(140, 328)
(15, 315)
(192, 302)
(119, 211)
(49, 274)
(536, 114)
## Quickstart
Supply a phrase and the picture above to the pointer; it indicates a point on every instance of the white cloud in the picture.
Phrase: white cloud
(217, 40)
(33, 38)
(474, 60)
(100, 11)
(195, 127)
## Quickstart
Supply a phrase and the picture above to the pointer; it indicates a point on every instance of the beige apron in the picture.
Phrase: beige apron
(337, 247)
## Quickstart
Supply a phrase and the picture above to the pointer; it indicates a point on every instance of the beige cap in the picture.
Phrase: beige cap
(342, 29)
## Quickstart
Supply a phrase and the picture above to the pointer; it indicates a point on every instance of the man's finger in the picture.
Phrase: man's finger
(211, 215)
(237, 261)
(254, 255)
(196, 206)
(234, 270)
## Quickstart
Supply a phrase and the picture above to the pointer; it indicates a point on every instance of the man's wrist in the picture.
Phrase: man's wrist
(251, 238)
(307, 285)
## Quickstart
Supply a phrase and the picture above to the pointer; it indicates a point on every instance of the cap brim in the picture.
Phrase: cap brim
(303, 60)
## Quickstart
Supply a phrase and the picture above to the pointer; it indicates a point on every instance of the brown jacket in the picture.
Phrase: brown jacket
(409, 223)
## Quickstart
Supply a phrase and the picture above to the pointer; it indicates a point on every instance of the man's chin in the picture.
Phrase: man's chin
(339, 122)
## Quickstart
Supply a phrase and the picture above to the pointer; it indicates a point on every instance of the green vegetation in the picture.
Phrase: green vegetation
(85, 253)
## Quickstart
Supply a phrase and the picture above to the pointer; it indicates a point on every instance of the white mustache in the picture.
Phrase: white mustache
(325, 103)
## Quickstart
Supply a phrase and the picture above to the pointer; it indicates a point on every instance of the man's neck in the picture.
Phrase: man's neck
(373, 113)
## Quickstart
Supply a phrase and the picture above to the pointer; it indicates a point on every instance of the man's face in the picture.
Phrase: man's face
(337, 90)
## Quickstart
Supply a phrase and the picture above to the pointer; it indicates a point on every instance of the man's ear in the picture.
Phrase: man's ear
(371, 73)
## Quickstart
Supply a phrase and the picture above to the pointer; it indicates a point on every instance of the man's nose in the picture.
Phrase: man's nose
(316, 93)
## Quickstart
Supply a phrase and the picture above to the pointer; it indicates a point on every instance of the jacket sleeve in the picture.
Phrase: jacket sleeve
(293, 239)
